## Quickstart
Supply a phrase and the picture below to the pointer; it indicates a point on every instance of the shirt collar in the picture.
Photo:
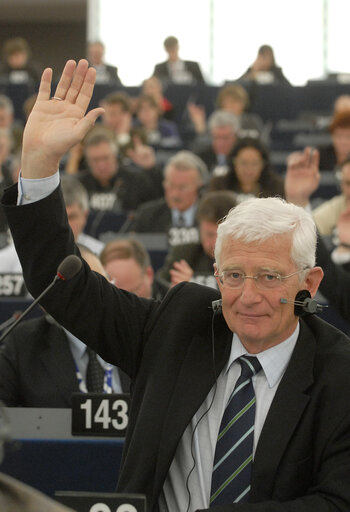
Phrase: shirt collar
(188, 215)
(274, 360)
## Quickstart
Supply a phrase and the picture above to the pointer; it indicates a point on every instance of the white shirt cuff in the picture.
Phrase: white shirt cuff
(31, 190)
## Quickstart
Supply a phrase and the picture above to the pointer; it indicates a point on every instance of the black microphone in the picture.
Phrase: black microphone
(304, 304)
(216, 306)
(67, 269)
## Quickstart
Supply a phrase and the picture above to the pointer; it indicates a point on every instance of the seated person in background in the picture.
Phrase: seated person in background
(186, 353)
(8, 122)
(184, 176)
(302, 179)
(152, 86)
(76, 200)
(17, 66)
(332, 216)
(194, 262)
(105, 74)
(128, 265)
(215, 148)
(231, 98)
(161, 134)
(334, 154)
(118, 116)
(42, 364)
(175, 70)
(250, 173)
(264, 69)
(8, 175)
(111, 186)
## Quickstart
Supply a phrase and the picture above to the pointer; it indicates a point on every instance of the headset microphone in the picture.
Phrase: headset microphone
(303, 303)
(216, 306)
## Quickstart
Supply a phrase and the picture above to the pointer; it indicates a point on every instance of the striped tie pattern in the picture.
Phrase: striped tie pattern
(234, 447)
(94, 373)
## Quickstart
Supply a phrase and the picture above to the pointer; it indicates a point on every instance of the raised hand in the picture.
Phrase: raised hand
(302, 177)
(57, 124)
(181, 271)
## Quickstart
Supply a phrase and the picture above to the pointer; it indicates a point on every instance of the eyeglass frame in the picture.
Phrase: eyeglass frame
(256, 277)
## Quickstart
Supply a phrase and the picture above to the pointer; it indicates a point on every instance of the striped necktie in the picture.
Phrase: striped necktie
(94, 373)
(234, 447)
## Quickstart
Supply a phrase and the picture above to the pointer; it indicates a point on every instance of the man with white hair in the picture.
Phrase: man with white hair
(175, 214)
(283, 433)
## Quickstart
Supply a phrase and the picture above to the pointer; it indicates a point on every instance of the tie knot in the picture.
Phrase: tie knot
(250, 366)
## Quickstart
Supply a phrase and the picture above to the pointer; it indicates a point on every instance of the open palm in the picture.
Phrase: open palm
(57, 124)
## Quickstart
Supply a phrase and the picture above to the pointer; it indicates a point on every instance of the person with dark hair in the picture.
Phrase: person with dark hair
(264, 69)
(194, 262)
(333, 155)
(175, 70)
(161, 134)
(105, 73)
(250, 173)
(118, 115)
(17, 66)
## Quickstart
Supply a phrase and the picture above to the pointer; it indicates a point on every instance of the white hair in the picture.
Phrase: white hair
(258, 219)
(186, 160)
(223, 118)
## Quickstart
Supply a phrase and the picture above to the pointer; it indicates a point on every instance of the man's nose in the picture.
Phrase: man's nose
(249, 292)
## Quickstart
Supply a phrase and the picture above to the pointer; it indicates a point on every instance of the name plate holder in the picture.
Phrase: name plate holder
(100, 414)
(101, 501)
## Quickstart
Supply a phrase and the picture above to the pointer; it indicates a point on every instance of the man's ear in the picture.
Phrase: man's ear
(313, 279)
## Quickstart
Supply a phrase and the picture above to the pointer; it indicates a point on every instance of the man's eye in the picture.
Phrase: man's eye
(269, 277)
(234, 275)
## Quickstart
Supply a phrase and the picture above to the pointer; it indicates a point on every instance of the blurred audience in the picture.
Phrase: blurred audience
(194, 262)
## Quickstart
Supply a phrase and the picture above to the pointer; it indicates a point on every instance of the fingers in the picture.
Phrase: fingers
(77, 82)
(87, 122)
(45, 85)
(87, 88)
(65, 80)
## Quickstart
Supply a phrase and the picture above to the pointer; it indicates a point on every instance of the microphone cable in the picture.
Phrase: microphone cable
(206, 411)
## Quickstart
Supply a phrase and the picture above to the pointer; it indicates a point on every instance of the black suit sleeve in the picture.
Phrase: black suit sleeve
(335, 285)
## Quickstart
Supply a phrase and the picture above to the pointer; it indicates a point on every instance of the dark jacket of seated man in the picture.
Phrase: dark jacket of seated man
(37, 368)
(302, 460)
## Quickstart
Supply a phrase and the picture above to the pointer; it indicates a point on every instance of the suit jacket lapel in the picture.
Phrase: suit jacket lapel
(58, 360)
(286, 409)
(193, 385)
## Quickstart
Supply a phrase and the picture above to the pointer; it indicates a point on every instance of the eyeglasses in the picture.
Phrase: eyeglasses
(263, 280)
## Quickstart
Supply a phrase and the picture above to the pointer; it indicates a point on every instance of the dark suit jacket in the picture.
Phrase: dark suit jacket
(161, 71)
(36, 366)
(302, 461)
(335, 285)
(152, 217)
